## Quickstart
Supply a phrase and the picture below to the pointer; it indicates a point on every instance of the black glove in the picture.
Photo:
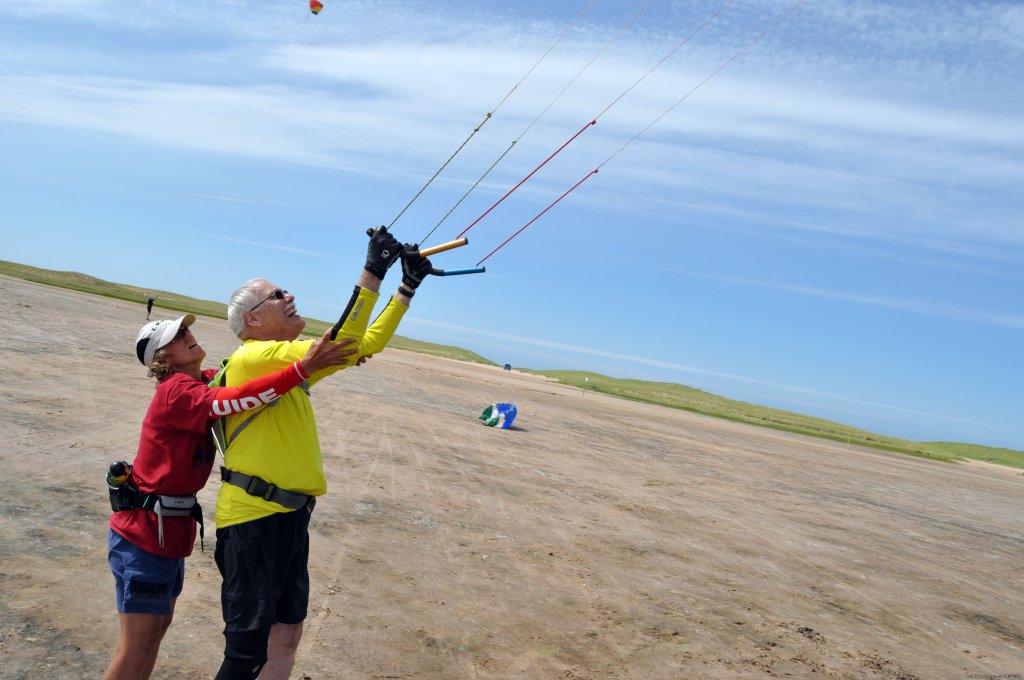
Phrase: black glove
(382, 252)
(414, 267)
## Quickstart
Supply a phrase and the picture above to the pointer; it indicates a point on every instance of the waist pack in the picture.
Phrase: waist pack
(127, 497)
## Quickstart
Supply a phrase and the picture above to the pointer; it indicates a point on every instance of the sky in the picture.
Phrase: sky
(821, 213)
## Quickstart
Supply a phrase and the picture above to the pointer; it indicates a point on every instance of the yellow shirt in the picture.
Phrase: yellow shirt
(280, 443)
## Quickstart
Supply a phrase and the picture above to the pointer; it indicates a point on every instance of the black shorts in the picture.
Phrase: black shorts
(265, 568)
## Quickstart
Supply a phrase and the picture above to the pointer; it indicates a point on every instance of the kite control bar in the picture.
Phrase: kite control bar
(427, 252)
(451, 245)
(457, 243)
(457, 272)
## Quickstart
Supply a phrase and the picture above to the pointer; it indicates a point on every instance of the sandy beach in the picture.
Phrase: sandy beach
(597, 539)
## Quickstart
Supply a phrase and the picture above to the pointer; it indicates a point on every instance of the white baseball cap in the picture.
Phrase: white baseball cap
(157, 334)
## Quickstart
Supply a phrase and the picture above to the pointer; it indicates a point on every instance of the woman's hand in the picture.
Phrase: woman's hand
(323, 353)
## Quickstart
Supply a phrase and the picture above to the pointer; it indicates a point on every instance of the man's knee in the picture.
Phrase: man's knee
(285, 638)
(245, 654)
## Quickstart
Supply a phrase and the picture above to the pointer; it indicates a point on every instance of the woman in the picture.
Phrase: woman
(149, 541)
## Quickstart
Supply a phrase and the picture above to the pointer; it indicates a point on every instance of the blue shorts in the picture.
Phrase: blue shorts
(145, 583)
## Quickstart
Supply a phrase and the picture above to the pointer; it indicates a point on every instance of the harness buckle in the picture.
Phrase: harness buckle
(271, 488)
(253, 484)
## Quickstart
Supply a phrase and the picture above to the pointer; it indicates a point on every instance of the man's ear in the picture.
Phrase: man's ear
(251, 319)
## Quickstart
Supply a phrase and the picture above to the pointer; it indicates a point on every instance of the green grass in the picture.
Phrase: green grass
(182, 303)
(705, 403)
(90, 284)
(1007, 457)
(446, 351)
(317, 327)
(663, 394)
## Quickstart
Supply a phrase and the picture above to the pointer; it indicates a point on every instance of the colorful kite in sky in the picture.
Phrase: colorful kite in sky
(315, 6)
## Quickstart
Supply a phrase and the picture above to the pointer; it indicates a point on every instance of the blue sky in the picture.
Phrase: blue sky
(831, 224)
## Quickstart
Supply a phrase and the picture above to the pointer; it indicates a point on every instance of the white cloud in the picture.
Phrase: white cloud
(1005, 320)
(766, 131)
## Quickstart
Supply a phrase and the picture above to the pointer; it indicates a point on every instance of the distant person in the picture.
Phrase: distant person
(149, 306)
(154, 526)
(273, 469)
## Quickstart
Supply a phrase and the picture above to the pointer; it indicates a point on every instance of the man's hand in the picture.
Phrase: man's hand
(414, 267)
(323, 353)
(382, 252)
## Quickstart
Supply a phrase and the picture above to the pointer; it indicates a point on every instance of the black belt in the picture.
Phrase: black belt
(254, 486)
(127, 497)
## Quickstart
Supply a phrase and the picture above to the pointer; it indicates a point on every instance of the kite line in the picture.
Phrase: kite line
(522, 134)
(523, 181)
(493, 111)
(594, 121)
(778, 20)
(679, 101)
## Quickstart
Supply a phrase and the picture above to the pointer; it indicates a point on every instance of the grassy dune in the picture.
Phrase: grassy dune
(663, 394)
(446, 351)
(988, 454)
(89, 284)
(181, 303)
(698, 401)
(317, 327)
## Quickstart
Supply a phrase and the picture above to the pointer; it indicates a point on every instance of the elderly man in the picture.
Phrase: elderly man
(272, 463)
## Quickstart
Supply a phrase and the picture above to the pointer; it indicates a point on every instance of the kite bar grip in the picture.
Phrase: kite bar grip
(427, 252)
(457, 243)
(457, 272)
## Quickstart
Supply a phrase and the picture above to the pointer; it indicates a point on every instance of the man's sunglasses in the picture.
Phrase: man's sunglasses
(276, 295)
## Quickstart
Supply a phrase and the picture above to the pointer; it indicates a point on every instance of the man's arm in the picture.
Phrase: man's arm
(382, 251)
(369, 281)
(414, 270)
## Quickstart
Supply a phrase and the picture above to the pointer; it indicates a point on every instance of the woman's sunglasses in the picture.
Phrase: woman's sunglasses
(276, 295)
(179, 335)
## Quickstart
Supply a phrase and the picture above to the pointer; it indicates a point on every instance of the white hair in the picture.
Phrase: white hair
(242, 300)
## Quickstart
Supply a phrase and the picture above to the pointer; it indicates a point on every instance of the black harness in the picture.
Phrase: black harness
(128, 497)
(251, 484)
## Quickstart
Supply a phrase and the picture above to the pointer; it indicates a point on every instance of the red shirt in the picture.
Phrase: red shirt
(175, 457)
(176, 450)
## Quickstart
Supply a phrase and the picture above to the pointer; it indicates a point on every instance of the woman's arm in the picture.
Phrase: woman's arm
(263, 390)
(258, 392)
